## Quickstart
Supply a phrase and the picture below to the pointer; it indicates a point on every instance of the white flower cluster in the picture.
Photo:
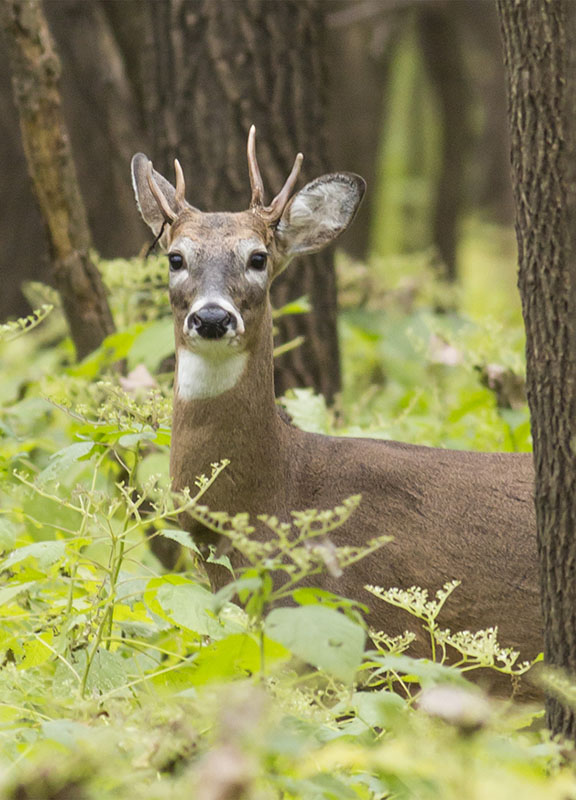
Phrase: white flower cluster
(415, 599)
(481, 649)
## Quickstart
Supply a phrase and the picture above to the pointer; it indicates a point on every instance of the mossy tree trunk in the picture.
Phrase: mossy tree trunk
(35, 70)
(539, 44)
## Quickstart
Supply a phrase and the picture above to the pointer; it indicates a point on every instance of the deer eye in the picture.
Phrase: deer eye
(176, 261)
(258, 261)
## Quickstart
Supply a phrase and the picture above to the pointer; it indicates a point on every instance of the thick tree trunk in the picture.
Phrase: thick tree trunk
(444, 61)
(35, 78)
(104, 119)
(538, 40)
(213, 68)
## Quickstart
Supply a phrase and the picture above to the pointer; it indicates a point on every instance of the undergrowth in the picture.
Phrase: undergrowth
(120, 680)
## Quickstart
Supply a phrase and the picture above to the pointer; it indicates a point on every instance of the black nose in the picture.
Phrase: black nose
(211, 321)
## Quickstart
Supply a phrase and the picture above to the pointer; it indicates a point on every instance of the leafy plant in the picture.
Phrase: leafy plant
(120, 680)
(468, 650)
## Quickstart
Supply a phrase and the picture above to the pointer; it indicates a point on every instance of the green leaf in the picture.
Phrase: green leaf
(108, 670)
(36, 652)
(236, 656)
(47, 553)
(8, 534)
(306, 596)
(182, 537)
(378, 709)
(48, 514)
(221, 559)
(427, 673)
(61, 461)
(308, 410)
(331, 787)
(153, 344)
(157, 464)
(192, 607)
(321, 636)
(299, 306)
(67, 732)
(233, 588)
(8, 593)
(178, 680)
(113, 348)
(130, 439)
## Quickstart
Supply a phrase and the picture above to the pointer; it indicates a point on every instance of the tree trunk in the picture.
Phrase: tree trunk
(444, 61)
(359, 52)
(491, 188)
(539, 44)
(213, 68)
(104, 119)
(35, 77)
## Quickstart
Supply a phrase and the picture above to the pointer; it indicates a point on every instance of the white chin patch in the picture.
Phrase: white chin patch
(199, 376)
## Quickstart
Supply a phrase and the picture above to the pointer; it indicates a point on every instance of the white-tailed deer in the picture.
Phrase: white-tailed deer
(453, 515)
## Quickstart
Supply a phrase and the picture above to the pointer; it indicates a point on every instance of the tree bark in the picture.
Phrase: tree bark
(35, 78)
(491, 189)
(213, 68)
(358, 56)
(538, 38)
(103, 113)
(444, 61)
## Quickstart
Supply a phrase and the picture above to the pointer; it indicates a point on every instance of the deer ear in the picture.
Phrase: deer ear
(320, 212)
(147, 205)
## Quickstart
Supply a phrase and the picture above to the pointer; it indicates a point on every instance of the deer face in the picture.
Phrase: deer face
(221, 265)
(220, 270)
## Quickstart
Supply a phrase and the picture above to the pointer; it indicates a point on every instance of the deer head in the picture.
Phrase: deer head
(222, 264)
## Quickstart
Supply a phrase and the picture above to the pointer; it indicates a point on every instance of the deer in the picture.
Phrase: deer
(460, 515)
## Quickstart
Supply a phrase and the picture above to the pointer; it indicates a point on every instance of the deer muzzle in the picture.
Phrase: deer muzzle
(212, 322)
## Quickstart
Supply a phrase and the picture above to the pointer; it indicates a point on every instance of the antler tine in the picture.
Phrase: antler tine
(273, 212)
(180, 186)
(169, 214)
(277, 206)
(256, 181)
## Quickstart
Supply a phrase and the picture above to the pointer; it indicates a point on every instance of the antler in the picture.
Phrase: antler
(169, 213)
(273, 212)
(180, 187)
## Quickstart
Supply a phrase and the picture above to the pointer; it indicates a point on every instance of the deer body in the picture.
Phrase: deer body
(453, 515)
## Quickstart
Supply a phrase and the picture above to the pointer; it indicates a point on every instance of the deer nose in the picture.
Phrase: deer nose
(211, 321)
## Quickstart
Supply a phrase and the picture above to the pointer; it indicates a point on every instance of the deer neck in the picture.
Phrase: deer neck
(225, 409)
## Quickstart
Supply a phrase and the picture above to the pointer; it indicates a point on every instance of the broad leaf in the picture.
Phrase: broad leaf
(61, 461)
(181, 537)
(130, 439)
(308, 410)
(108, 670)
(237, 656)
(321, 636)
(153, 344)
(8, 593)
(192, 607)
(46, 553)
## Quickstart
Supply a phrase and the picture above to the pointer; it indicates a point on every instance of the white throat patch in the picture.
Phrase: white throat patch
(199, 377)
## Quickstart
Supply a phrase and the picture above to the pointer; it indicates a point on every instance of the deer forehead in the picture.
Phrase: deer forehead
(222, 230)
